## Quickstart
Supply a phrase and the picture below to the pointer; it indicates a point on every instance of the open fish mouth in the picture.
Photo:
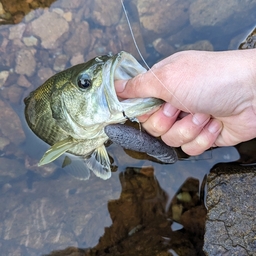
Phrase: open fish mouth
(121, 66)
(124, 67)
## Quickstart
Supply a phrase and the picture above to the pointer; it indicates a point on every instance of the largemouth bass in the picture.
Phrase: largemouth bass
(70, 110)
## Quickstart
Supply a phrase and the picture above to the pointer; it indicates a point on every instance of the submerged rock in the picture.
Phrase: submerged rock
(163, 16)
(221, 17)
(40, 28)
(106, 13)
(10, 129)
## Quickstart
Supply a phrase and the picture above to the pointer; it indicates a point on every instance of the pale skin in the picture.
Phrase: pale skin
(210, 98)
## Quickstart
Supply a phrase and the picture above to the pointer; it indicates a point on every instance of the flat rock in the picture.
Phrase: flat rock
(106, 13)
(221, 17)
(231, 203)
(81, 34)
(49, 27)
(163, 16)
(25, 62)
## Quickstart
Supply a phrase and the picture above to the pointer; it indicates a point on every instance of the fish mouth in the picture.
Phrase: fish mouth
(124, 67)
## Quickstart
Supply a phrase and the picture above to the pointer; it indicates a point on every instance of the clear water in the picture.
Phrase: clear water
(43, 209)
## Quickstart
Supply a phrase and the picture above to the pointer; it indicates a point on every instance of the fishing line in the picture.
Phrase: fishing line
(146, 64)
(144, 61)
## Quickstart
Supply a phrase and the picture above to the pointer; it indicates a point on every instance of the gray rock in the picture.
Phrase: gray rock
(231, 203)
(49, 27)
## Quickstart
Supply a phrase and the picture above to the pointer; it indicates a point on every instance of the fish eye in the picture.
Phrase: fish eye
(84, 81)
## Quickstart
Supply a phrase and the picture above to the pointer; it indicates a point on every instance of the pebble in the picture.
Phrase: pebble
(30, 41)
(3, 77)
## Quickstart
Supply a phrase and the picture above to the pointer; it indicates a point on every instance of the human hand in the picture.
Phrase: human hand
(210, 98)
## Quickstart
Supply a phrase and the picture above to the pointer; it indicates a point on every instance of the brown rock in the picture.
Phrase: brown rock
(16, 31)
(25, 62)
(60, 62)
(126, 40)
(163, 47)
(79, 40)
(23, 81)
(15, 94)
(203, 45)
(76, 59)
(219, 17)
(163, 17)
(49, 28)
(44, 73)
(106, 13)
(10, 124)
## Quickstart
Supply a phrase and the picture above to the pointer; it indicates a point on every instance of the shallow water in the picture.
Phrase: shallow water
(43, 209)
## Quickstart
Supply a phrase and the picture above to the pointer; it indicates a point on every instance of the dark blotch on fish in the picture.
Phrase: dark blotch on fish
(134, 139)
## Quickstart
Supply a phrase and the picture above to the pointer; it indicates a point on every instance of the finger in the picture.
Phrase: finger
(185, 129)
(162, 120)
(148, 84)
(205, 140)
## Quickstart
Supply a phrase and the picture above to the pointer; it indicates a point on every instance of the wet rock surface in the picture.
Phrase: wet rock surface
(231, 203)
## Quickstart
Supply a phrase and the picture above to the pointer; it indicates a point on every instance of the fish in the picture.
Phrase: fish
(70, 110)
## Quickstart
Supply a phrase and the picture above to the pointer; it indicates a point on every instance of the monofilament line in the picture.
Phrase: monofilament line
(144, 61)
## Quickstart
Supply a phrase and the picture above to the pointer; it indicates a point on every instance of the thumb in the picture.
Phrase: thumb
(142, 86)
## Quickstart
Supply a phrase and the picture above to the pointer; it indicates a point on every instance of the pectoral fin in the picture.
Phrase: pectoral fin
(57, 150)
(99, 163)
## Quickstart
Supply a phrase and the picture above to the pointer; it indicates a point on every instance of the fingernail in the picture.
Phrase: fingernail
(120, 85)
(214, 126)
(200, 119)
(169, 110)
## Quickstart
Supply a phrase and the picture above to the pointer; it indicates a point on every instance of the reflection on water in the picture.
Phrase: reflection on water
(145, 208)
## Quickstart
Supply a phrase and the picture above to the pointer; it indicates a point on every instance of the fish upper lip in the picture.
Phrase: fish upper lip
(124, 67)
